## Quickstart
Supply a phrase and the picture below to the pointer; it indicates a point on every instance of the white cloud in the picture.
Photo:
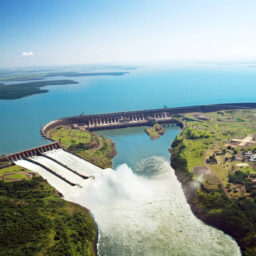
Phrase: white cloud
(26, 54)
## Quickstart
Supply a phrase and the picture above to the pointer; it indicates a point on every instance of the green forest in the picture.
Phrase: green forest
(35, 220)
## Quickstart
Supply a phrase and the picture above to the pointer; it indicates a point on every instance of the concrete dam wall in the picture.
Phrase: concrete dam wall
(33, 151)
(137, 118)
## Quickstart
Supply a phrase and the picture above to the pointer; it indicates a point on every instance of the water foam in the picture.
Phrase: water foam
(138, 212)
(144, 212)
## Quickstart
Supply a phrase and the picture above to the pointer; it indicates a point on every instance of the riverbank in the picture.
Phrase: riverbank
(218, 188)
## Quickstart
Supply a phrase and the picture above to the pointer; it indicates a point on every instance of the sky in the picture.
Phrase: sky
(64, 32)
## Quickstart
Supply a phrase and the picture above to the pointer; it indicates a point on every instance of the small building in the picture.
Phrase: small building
(248, 153)
(239, 157)
(253, 158)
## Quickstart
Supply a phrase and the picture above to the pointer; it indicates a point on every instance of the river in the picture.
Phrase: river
(141, 209)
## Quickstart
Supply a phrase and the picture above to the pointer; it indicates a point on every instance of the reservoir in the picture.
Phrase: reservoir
(144, 88)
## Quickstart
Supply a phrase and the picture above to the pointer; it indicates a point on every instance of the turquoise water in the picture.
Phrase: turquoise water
(133, 144)
(22, 119)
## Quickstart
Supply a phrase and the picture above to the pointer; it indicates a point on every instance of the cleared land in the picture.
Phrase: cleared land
(14, 173)
(89, 146)
(219, 177)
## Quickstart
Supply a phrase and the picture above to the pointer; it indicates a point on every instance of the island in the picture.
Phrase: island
(155, 131)
(20, 90)
(40, 75)
(214, 158)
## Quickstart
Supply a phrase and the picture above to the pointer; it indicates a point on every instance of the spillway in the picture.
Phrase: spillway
(78, 164)
(67, 179)
(60, 170)
(62, 186)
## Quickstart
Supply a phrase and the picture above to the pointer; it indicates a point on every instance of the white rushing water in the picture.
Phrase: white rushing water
(140, 212)
(146, 213)
(60, 170)
(62, 186)
(75, 163)
(81, 166)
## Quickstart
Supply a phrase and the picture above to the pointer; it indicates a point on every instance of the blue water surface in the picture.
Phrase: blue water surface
(22, 119)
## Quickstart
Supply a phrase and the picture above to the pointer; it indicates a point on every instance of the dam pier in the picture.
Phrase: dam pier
(33, 151)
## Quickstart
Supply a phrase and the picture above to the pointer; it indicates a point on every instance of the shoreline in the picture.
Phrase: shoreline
(187, 189)
(211, 205)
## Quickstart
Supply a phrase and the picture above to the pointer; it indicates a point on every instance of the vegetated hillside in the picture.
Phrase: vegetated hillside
(20, 90)
(87, 145)
(35, 220)
(217, 177)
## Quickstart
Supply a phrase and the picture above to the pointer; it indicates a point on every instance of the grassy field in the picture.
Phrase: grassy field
(14, 172)
(36, 221)
(89, 146)
(226, 197)
(203, 139)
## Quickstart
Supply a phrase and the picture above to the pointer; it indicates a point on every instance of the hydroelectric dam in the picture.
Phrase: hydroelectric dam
(116, 120)
(67, 172)
(136, 214)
